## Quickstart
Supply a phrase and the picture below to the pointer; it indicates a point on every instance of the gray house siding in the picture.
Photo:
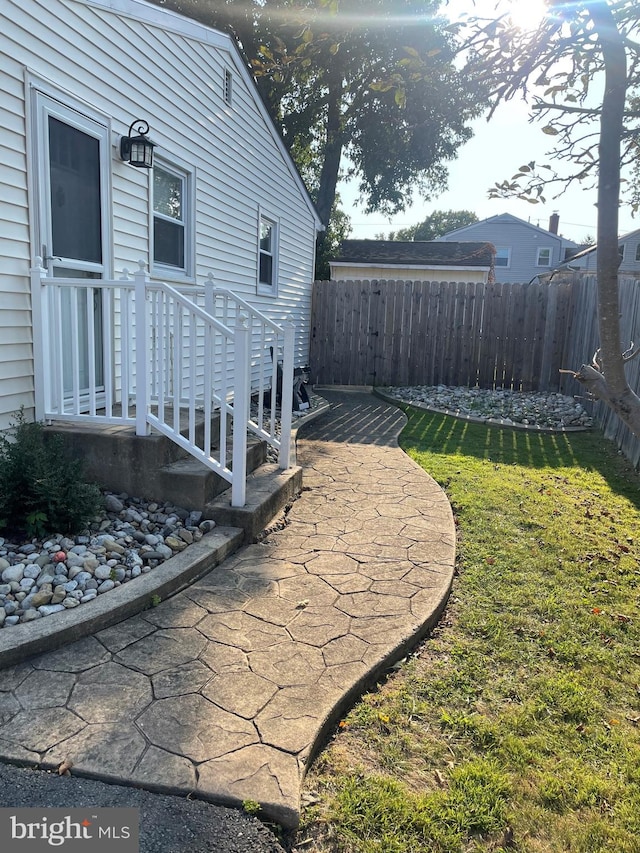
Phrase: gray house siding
(523, 251)
(587, 261)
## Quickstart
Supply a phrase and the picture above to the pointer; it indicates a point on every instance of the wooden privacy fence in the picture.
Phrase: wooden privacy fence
(516, 336)
(441, 333)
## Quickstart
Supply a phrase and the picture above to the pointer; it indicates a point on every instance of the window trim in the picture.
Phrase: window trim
(548, 249)
(187, 175)
(263, 287)
(506, 249)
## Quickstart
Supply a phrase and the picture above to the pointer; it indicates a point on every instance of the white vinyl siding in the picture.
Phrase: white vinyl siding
(236, 156)
(16, 354)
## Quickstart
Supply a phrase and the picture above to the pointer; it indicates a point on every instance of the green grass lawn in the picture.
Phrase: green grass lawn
(516, 725)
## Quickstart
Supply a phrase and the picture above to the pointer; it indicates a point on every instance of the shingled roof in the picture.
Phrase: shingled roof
(416, 253)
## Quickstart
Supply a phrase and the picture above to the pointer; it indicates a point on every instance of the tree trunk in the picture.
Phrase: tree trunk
(333, 145)
(609, 383)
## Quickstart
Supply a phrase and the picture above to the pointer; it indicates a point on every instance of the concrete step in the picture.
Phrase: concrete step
(269, 490)
(190, 484)
(147, 466)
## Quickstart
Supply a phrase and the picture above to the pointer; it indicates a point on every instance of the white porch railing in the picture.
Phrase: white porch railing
(272, 347)
(132, 351)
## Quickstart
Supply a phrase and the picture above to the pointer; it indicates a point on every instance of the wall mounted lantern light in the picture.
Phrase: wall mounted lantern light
(137, 150)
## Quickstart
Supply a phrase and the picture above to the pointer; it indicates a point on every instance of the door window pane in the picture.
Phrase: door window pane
(76, 219)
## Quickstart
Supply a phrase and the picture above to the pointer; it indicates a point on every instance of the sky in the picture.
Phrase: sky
(495, 152)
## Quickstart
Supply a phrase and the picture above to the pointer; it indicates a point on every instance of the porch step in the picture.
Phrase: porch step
(269, 490)
(151, 466)
(190, 484)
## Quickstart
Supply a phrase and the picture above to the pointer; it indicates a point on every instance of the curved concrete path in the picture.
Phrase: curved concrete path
(225, 689)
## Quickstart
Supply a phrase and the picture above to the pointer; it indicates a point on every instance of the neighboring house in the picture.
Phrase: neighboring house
(587, 259)
(412, 261)
(523, 251)
(223, 197)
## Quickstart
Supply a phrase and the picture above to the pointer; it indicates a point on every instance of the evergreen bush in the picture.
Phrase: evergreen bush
(42, 491)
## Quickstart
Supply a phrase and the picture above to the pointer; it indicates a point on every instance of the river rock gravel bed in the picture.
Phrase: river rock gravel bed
(40, 577)
(532, 409)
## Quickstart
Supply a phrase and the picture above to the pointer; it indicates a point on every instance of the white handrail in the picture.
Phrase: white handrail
(142, 343)
(268, 339)
(211, 288)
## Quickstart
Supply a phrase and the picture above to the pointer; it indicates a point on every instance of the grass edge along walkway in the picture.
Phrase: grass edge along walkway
(516, 725)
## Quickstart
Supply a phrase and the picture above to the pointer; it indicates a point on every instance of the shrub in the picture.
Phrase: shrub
(41, 490)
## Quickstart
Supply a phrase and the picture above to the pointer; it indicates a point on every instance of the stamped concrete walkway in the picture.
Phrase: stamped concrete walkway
(226, 689)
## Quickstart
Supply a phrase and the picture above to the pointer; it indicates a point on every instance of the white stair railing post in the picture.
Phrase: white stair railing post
(241, 401)
(41, 341)
(142, 349)
(286, 410)
(209, 295)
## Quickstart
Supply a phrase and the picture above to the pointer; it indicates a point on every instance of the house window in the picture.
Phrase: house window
(268, 257)
(503, 258)
(227, 87)
(171, 220)
(543, 258)
(638, 252)
(621, 251)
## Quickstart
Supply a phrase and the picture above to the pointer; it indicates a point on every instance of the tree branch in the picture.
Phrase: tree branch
(595, 111)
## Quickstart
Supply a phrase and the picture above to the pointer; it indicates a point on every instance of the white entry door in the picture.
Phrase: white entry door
(72, 153)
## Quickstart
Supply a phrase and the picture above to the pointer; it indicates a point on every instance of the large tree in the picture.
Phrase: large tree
(367, 89)
(581, 66)
(437, 224)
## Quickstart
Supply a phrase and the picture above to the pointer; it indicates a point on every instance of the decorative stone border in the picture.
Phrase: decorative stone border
(416, 404)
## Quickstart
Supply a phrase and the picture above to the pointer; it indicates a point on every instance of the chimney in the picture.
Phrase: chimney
(554, 221)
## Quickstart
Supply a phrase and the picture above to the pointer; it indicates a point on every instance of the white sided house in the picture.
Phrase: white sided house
(146, 298)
